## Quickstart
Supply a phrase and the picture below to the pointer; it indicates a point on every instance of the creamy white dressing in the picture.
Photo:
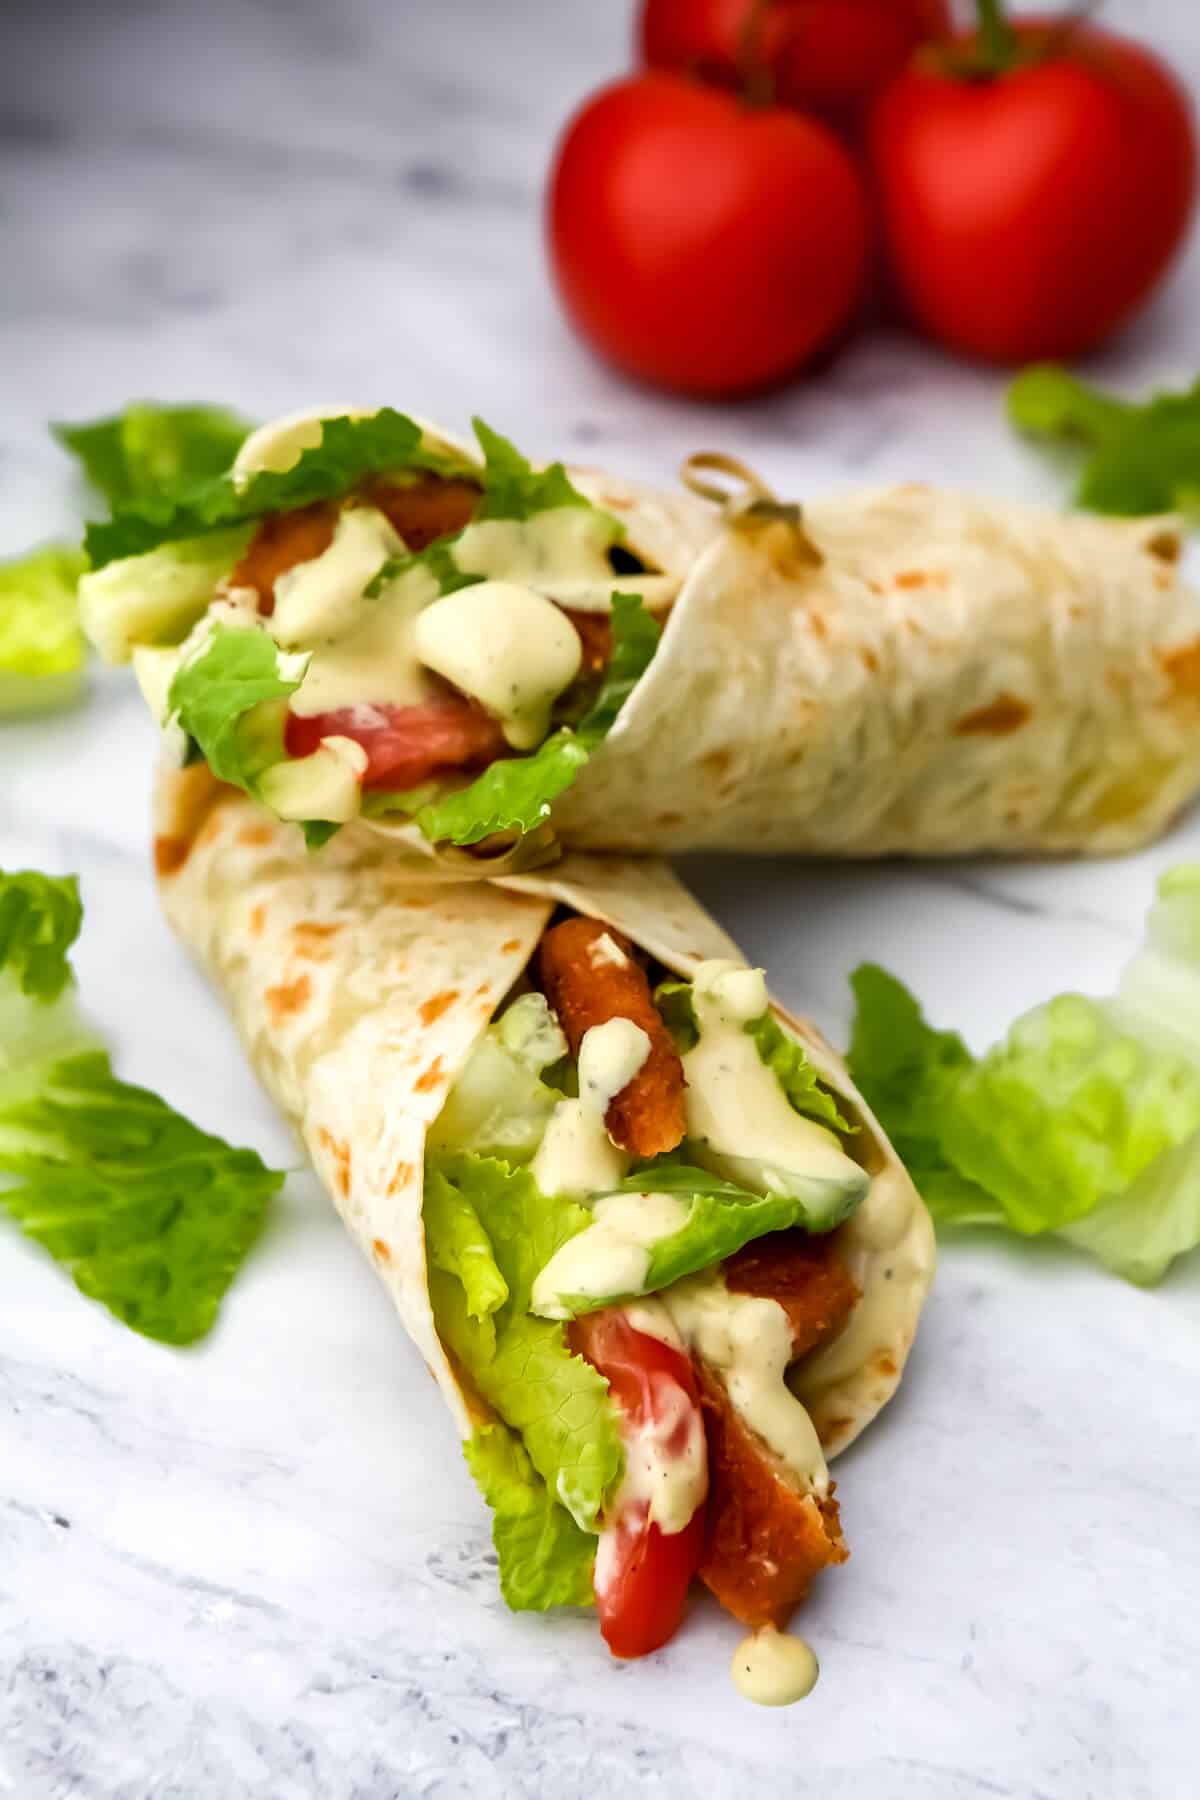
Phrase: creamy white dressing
(610, 1258)
(576, 1156)
(774, 1670)
(748, 1340)
(562, 553)
(610, 1055)
(740, 1121)
(321, 599)
(605, 952)
(508, 647)
(374, 663)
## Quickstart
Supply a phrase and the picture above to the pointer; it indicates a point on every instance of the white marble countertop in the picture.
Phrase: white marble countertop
(259, 1568)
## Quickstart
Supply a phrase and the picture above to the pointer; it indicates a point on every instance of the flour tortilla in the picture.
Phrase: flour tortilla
(361, 993)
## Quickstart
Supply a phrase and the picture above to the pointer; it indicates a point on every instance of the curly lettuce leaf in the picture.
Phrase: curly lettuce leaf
(1138, 458)
(513, 488)
(521, 1365)
(1084, 1121)
(517, 793)
(545, 1559)
(41, 646)
(216, 697)
(152, 450)
(349, 451)
(788, 1062)
(151, 1216)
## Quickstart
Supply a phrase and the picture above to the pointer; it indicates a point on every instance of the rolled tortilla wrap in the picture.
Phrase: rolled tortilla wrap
(361, 996)
(899, 671)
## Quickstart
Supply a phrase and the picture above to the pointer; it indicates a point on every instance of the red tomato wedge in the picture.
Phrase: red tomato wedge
(405, 745)
(645, 1574)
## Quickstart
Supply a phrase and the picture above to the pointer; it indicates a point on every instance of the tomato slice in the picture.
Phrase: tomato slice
(643, 1573)
(405, 745)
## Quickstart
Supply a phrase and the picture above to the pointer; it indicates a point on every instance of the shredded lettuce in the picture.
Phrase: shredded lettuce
(41, 646)
(222, 700)
(349, 451)
(545, 1559)
(516, 794)
(1139, 458)
(150, 1215)
(152, 450)
(521, 1365)
(1084, 1121)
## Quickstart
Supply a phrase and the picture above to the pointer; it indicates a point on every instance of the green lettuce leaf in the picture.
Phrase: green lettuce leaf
(150, 1215)
(513, 488)
(153, 450)
(1138, 458)
(349, 451)
(217, 696)
(517, 793)
(1084, 1121)
(721, 1219)
(796, 1076)
(460, 1246)
(500, 1105)
(521, 1365)
(437, 558)
(41, 646)
(545, 1559)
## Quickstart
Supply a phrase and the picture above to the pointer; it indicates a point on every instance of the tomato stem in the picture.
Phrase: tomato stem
(756, 77)
(997, 41)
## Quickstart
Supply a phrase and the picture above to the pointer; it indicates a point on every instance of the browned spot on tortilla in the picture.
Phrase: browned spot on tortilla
(717, 761)
(288, 998)
(885, 1362)
(1166, 545)
(876, 587)
(381, 1250)
(510, 948)
(212, 828)
(311, 940)
(870, 660)
(258, 918)
(340, 1152)
(667, 820)
(482, 989)
(311, 928)
(170, 854)
(817, 625)
(1163, 578)
(1182, 669)
(833, 1428)
(430, 1078)
(402, 1174)
(254, 836)
(433, 1008)
(1000, 716)
(919, 578)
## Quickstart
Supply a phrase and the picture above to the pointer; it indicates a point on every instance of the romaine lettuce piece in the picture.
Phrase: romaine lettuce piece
(41, 647)
(150, 1215)
(151, 449)
(1139, 458)
(521, 1365)
(500, 1106)
(155, 599)
(1084, 1121)
(514, 489)
(226, 699)
(545, 1559)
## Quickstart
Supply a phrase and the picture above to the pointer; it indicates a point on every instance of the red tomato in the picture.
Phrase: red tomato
(830, 56)
(643, 1592)
(405, 745)
(700, 244)
(1029, 214)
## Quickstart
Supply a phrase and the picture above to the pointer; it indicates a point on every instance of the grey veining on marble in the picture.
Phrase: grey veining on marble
(259, 1568)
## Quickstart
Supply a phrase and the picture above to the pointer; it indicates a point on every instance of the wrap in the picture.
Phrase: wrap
(899, 671)
(361, 995)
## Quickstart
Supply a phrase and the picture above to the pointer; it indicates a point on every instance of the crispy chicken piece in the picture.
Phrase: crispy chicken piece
(806, 1276)
(422, 511)
(764, 1540)
(595, 634)
(587, 984)
(282, 541)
